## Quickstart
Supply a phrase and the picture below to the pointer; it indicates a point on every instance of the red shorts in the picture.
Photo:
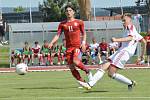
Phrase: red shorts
(72, 53)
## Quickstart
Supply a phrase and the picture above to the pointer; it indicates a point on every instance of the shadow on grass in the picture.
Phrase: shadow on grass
(34, 88)
(96, 91)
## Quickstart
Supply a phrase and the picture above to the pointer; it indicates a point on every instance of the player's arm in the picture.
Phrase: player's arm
(56, 37)
(125, 39)
(83, 36)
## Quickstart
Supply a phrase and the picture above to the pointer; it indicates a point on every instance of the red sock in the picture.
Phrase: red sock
(76, 74)
(41, 58)
(58, 56)
(62, 57)
(49, 58)
(82, 67)
(28, 60)
(12, 60)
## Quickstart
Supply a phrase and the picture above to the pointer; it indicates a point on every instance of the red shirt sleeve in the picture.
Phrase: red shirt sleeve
(60, 28)
(82, 27)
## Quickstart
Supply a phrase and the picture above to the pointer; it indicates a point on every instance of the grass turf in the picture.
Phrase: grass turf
(62, 86)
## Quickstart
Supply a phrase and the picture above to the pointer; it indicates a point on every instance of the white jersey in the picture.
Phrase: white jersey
(130, 46)
(113, 45)
(94, 46)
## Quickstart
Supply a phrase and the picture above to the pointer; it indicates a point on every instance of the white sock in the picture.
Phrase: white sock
(97, 76)
(121, 79)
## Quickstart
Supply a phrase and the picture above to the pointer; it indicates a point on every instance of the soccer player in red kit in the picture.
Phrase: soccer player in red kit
(72, 29)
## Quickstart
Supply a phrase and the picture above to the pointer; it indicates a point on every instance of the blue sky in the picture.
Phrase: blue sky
(34, 3)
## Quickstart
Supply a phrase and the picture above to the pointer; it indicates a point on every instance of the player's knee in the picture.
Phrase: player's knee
(111, 75)
(71, 67)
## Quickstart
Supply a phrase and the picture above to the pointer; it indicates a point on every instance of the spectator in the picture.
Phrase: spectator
(63, 51)
(94, 50)
(26, 53)
(36, 52)
(103, 49)
(113, 46)
(15, 54)
(45, 53)
(147, 38)
(56, 53)
(1, 32)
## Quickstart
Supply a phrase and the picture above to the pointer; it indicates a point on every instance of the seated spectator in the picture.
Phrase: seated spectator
(94, 50)
(36, 52)
(62, 53)
(86, 55)
(45, 54)
(27, 52)
(103, 49)
(147, 38)
(15, 54)
(113, 46)
(55, 53)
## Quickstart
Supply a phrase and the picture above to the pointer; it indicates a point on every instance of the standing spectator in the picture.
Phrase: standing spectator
(147, 38)
(139, 21)
(103, 49)
(1, 32)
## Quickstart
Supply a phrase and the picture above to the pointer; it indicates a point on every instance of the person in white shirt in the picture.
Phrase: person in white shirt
(113, 46)
(117, 61)
(94, 50)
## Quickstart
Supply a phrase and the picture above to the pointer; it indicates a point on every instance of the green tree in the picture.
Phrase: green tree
(53, 10)
(19, 9)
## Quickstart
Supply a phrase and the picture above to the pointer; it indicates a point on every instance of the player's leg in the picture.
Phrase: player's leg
(32, 58)
(12, 60)
(148, 60)
(112, 72)
(74, 72)
(118, 61)
(62, 58)
(79, 64)
(99, 74)
(39, 58)
(42, 58)
(58, 58)
(99, 57)
(29, 58)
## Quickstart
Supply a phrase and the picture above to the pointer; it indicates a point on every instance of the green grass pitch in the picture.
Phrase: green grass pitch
(62, 86)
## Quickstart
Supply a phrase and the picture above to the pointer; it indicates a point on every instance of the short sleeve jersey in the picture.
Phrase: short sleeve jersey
(72, 31)
(130, 46)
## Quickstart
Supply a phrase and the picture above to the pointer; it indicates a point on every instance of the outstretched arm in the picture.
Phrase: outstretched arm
(56, 37)
(125, 39)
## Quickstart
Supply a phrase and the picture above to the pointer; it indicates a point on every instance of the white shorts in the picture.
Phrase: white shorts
(119, 59)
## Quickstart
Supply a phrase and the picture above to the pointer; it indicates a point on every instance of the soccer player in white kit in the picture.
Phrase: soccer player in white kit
(117, 61)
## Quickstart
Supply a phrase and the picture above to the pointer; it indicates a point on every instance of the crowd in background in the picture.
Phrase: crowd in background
(95, 53)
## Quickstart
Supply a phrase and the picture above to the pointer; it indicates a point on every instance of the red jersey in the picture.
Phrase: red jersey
(36, 49)
(103, 46)
(72, 32)
(148, 43)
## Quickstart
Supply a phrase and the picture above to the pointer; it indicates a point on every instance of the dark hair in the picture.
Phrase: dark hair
(36, 42)
(127, 14)
(45, 41)
(70, 6)
(25, 42)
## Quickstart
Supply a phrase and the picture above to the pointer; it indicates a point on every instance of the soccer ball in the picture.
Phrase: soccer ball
(21, 69)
